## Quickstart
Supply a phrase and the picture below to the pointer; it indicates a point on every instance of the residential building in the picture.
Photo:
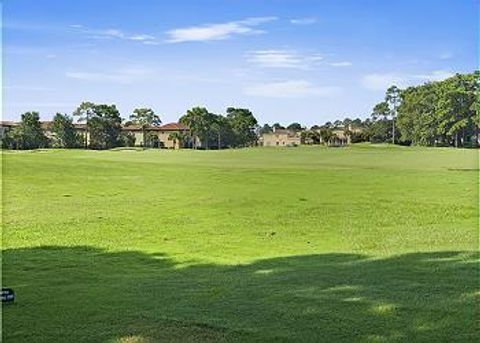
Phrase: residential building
(5, 126)
(280, 137)
(164, 133)
(168, 135)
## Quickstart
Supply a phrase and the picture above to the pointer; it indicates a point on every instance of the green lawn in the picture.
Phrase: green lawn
(360, 244)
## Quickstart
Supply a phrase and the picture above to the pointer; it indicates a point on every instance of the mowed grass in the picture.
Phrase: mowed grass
(359, 244)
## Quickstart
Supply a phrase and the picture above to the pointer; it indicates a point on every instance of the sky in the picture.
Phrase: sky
(307, 61)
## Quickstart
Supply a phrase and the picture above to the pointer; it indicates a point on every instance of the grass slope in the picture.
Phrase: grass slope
(369, 243)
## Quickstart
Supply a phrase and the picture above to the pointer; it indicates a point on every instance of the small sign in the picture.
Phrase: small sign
(8, 295)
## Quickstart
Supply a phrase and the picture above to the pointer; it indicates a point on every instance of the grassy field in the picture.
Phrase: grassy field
(360, 244)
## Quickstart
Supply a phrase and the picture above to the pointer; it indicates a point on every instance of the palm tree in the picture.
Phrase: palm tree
(145, 117)
(176, 137)
(197, 121)
(326, 134)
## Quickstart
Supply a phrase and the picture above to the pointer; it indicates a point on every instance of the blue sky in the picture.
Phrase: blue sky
(286, 60)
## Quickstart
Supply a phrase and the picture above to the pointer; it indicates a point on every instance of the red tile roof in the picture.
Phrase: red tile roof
(173, 127)
(166, 127)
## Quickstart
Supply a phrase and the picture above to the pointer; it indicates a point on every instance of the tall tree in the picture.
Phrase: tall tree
(278, 126)
(84, 112)
(265, 129)
(111, 124)
(199, 121)
(381, 111)
(243, 125)
(441, 113)
(145, 118)
(28, 134)
(295, 127)
(392, 98)
(221, 132)
(64, 131)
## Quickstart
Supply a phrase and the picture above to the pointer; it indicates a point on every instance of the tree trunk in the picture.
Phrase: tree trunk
(86, 130)
(476, 136)
(393, 133)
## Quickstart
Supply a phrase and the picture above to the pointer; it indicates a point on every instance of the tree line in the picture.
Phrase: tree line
(103, 125)
(441, 113)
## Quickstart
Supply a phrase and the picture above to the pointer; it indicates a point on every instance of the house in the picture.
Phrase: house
(5, 126)
(340, 137)
(167, 135)
(164, 133)
(280, 137)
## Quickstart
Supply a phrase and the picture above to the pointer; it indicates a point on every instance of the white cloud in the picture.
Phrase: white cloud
(341, 64)
(303, 21)
(290, 89)
(282, 59)
(115, 34)
(123, 76)
(383, 81)
(112, 33)
(209, 32)
(150, 42)
(142, 37)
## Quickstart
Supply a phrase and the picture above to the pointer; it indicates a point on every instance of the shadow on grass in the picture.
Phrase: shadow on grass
(88, 295)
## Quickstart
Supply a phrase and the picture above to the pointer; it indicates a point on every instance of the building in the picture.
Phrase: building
(340, 137)
(167, 135)
(5, 126)
(280, 137)
(170, 136)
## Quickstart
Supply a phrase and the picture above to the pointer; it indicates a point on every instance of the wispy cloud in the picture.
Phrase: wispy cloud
(380, 81)
(303, 21)
(220, 31)
(341, 64)
(283, 59)
(123, 76)
(446, 55)
(142, 37)
(290, 89)
(113, 33)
